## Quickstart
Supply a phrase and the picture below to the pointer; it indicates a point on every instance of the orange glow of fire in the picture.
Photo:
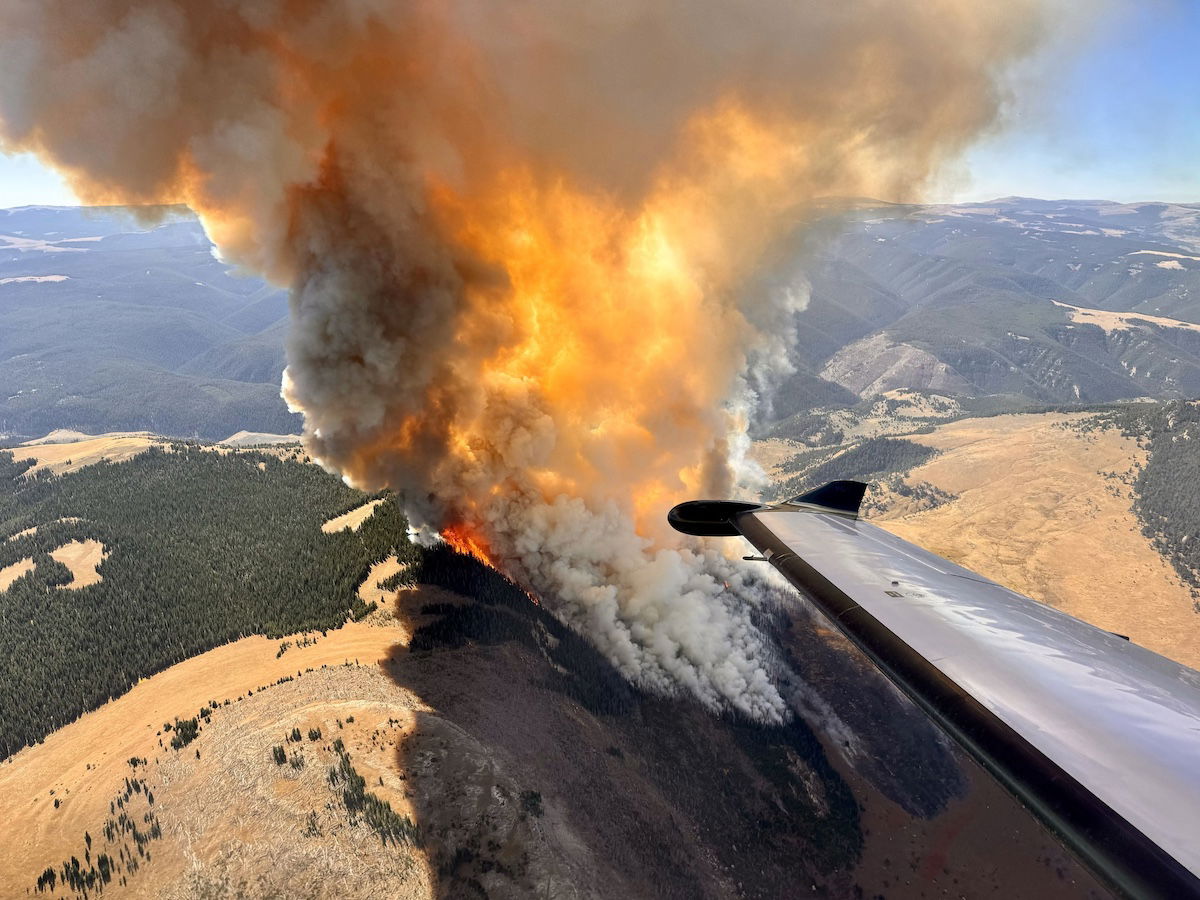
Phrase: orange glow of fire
(466, 540)
(613, 318)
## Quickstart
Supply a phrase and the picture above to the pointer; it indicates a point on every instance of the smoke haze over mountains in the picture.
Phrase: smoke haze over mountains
(518, 238)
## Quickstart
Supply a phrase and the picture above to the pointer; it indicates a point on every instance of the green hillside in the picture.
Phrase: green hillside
(202, 549)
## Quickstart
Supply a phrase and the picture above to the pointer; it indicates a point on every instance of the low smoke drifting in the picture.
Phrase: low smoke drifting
(518, 237)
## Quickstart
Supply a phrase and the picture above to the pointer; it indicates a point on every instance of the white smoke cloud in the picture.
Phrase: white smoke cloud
(519, 239)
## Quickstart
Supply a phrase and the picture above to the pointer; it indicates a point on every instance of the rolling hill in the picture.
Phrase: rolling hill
(1091, 512)
(976, 301)
(456, 741)
(108, 323)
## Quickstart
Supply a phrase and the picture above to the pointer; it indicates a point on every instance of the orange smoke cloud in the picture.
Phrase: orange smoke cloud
(518, 238)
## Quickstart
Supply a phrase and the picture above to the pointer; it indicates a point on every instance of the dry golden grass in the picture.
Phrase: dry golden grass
(83, 558)
(259, 438)
(352, 520)
(371, 590)
(60, 458)
(70, 436)
(1119, 321)
(232, 820)
(774, 451)
(236, 824)
(65, 451)
(12, 572)
(1040, 509)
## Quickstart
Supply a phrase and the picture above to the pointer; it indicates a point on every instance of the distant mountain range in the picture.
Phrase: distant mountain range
(109, 324)
(976, 300)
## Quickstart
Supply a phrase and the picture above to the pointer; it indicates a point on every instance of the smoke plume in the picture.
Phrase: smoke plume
(518, 238)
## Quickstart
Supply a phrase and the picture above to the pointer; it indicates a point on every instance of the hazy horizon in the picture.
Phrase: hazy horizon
(981, 201)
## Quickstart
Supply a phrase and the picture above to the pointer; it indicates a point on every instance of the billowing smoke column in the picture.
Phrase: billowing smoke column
(517, 237)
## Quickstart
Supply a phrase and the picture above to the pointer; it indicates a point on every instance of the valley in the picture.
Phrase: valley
(197, 614)
(116, 323)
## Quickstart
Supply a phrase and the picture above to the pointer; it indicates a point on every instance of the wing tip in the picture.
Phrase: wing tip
(709, 518)
(838, 496)
(718, 518)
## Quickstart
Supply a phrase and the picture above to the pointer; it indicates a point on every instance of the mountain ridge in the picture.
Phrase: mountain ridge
(967, 291)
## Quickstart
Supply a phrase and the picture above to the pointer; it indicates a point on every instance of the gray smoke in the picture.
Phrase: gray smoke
(517, 237)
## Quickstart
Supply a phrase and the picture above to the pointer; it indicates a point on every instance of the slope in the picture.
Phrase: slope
(109, 322)
(512, 761)
(1047, 504)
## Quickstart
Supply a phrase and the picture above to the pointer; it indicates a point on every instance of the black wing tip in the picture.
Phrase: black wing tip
(718, 518)
(839, 496)
(709, 518)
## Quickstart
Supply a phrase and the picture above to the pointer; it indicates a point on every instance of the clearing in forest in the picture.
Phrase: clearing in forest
(352, 520)
(60, 458)
(372, 590)
(11, 573)
(83, 558)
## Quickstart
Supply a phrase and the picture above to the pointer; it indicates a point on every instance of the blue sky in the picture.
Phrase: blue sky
(1116, 118)
(25, 182)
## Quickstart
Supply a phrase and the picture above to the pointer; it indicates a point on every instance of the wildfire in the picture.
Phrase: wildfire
(587, 349)
(466, 540)
(529, 245)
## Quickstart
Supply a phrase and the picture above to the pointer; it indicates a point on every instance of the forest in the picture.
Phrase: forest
(1167, 489)
(865, 461)
(203, 549)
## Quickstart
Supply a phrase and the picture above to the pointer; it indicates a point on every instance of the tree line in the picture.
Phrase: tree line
(202, 549)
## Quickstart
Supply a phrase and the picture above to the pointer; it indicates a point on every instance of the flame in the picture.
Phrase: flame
(466, 540)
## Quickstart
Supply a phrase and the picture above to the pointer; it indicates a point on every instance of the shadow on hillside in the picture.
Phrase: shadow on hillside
(542, 772)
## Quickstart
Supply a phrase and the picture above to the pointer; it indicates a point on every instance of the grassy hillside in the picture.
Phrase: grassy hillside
(1093, 512)
(1167, 488)
(202, 548)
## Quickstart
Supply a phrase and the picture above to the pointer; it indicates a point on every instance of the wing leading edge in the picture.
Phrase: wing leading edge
(1096, 735)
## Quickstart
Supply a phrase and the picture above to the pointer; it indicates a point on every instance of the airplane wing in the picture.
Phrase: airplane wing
(1098, 737)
